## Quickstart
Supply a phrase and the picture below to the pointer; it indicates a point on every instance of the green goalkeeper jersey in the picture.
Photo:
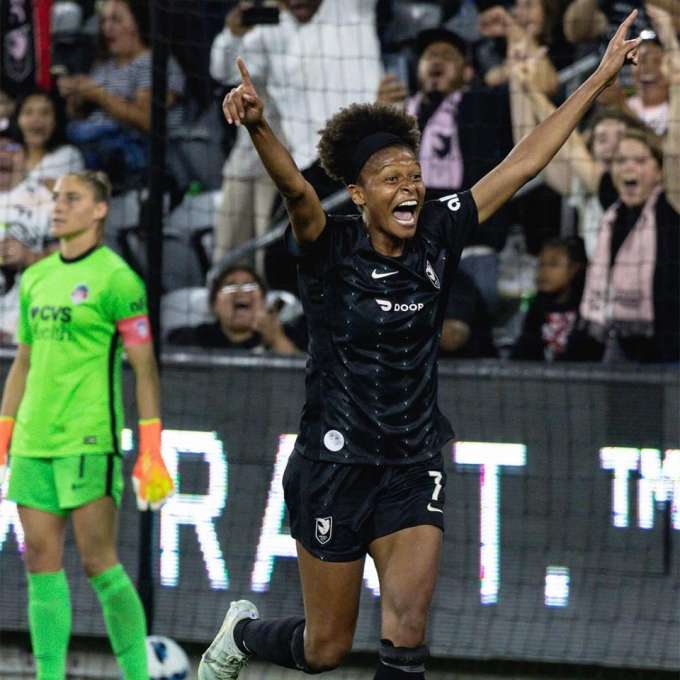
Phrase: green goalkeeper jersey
(69, 311)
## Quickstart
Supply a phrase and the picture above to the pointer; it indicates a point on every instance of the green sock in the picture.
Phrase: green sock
(49, 617)
(125, 620)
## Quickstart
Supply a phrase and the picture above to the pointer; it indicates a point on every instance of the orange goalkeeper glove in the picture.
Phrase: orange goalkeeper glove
(150, 478)
(6, 428)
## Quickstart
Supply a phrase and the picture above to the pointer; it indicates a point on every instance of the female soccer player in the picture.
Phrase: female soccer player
(366, 475)
(79, 307)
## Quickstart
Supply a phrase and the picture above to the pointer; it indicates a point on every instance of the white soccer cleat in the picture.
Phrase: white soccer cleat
(223, 660)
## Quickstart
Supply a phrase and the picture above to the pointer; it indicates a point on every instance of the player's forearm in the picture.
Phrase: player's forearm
(15, 385)
(277, 161)
(148, 392)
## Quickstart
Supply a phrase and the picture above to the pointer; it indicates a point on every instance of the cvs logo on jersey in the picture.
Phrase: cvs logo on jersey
(51, 313)
(388, 306)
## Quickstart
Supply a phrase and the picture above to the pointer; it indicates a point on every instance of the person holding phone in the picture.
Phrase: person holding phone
(243, 320)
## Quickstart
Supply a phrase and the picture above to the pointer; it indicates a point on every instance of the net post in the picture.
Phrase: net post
(153, 229)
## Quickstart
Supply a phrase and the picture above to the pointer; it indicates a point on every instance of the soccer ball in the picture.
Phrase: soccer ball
(167, 660)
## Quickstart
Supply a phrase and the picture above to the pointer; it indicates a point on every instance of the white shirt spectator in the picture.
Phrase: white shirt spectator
(654, 117)
(65, 159)
(310, 70)
(25, 215)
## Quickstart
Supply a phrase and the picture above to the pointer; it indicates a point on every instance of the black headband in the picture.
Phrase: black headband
(367, 147)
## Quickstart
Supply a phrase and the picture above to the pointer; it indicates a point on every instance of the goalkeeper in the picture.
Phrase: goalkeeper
(78, 308)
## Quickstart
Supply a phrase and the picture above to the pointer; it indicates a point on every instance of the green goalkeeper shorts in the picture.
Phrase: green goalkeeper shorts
(59, 485)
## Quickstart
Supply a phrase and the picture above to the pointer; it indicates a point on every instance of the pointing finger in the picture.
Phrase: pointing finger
(245, 75)
(626, 24)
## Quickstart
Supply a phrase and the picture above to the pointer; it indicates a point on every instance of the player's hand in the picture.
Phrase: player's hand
(150, 478)
(242, 106)
(6, 428)
(618, 51)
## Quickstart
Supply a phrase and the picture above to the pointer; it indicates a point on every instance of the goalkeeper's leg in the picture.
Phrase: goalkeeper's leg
(95, 532)
(49, 606)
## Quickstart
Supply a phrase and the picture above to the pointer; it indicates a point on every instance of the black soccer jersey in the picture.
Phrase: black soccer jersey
(374, 325)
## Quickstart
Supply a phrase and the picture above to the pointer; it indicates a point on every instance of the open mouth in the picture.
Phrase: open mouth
(630, 183)
(242, 306)
(405, 213)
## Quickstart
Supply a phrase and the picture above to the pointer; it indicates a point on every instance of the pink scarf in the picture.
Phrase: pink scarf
(622, 298)
(440, 157)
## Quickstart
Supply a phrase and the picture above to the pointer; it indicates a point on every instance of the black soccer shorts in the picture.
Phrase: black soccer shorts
(337, 510)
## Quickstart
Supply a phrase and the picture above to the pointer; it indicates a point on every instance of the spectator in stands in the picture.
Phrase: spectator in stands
(630, 303)
(649, 100)
(532, 22)
(237, 299)
(111, 107)
(40, 124)
(247, 190)
(304, 65)
(25, 208)
(467, 329)
(6, 110)
(578, 168)
(466, 131)
(553, 312)
(595, 20)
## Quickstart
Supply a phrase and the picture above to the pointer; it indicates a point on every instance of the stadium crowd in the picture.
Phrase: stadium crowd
(583, 265)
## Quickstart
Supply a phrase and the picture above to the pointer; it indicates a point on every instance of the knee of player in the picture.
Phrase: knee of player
(324, 653)
(96, 563)
(41, 555)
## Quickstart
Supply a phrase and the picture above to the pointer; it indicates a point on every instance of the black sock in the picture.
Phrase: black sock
(280, 641)
(400, 663)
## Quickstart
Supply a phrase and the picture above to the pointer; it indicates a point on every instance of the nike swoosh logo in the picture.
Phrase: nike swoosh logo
(381, 275)
(431, 508)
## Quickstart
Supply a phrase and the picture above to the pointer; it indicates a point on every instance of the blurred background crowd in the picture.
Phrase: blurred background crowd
(582, 265)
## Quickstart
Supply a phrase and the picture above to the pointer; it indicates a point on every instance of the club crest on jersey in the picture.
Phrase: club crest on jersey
(323, 529)
(79, 294)
(142, 328)
(432, 275)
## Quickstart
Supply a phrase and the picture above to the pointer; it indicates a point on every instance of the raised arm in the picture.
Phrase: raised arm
(534, 152)
(663, 25)
(242, 106)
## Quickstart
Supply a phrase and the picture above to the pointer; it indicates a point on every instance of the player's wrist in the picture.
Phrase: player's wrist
(6, 429)
(149, 430)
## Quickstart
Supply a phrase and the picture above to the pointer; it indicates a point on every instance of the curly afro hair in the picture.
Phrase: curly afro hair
(352, 124)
